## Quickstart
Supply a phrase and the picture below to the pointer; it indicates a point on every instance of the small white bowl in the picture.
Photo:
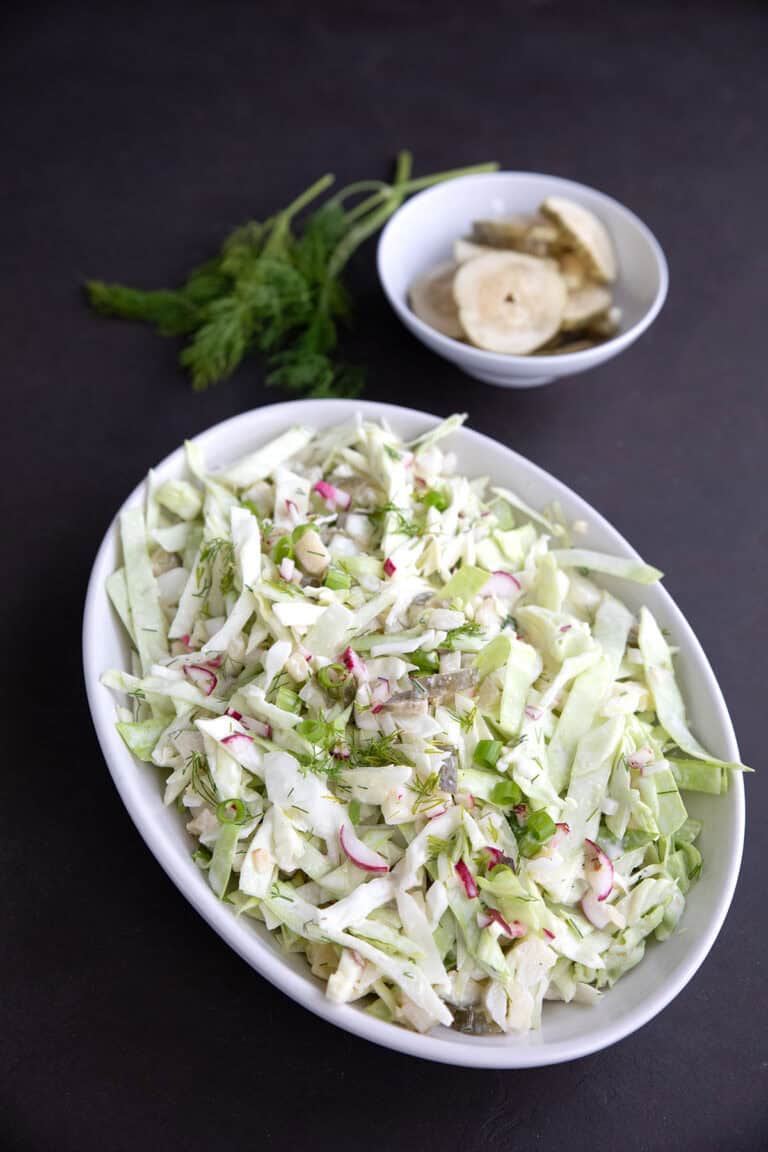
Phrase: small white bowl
(568, 1030)
(420, 236)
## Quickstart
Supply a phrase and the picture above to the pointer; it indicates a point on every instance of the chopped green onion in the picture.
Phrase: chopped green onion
(337, 580)
(232, 812)
(538, 830)
(287, 699)
(506, 794)
(540, 826)
(312, 730)
(333, 678)
(435, 499)
(354, 811)
(283, 550)
(424, 661)
(487, 753)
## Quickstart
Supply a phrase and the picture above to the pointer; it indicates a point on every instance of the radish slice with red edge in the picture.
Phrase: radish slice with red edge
(235, 736)
(597, 913)
(598, 870)
(562, 830)
(640, 758)
(334, 497)
(467, 879)
(358, 853)
(202, 678)
(492, 916)
(502, 584)
(389, 567)
(351, 660)
(257, 726)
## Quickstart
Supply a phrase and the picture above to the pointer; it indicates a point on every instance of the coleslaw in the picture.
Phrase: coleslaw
(408, 730)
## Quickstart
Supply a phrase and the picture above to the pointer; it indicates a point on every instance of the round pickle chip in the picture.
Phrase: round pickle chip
(509, 302)
(583, 230)
(584, 305)
(432, 300)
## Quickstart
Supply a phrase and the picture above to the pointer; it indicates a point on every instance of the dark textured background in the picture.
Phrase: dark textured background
(134, 136)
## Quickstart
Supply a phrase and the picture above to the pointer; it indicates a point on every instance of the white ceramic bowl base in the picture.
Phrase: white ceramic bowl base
(568, 1031)
(421, 234)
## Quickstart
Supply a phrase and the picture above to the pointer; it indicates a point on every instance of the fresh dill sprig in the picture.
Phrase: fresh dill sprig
(427, 792)
(402, 524)
(200, 777)
(275, 289)
(379, 752)
(217, 559)
(436, 847)
(454, 638)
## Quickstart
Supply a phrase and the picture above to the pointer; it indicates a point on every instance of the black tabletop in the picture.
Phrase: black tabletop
(135, 136)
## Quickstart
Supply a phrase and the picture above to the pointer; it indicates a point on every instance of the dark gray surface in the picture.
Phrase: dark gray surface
(135, 136)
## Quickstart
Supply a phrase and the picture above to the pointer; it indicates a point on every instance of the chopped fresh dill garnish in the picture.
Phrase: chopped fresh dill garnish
(217, 559)
(200, 777)
(402, 524)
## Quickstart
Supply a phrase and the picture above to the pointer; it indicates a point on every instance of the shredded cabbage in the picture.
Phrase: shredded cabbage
(408, 731)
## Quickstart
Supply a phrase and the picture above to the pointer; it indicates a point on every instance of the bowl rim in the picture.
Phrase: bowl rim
(478, 1053)
(480, 357)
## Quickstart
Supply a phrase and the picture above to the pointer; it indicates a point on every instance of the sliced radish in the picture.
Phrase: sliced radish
(351, 660)
(202, 678)
(493, 916)
(214, 662)
(549, 934)
(597, 913)
(598, 870)
(334, 497)
(533, 712)
(640, 758)
(562, 831)
(238, 736)
(292, 509)
(496, 855)
(287, 569)
(257, 726)
(566, 627)
(340, 752)
(360, 854)
(502, 584)
(521, 814)
(467, 879)
(389, 567)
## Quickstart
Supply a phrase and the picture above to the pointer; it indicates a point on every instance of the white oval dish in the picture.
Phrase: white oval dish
(420, 236)
(568, 1031)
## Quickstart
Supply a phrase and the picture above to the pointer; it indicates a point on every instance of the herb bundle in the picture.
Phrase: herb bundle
(275, 287)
